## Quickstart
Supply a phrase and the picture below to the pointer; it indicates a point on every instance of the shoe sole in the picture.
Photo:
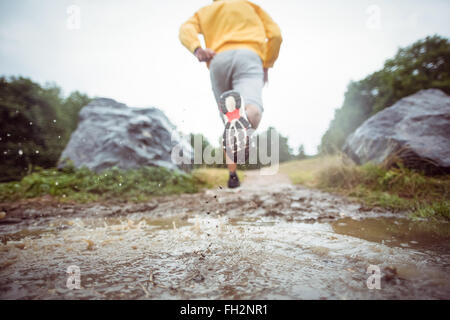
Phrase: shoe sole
(235, 136)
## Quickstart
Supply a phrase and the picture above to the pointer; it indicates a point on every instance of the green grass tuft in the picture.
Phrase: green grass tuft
(436, 209)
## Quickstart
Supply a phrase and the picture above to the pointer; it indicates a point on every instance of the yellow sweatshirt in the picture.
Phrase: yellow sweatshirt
(233, 24)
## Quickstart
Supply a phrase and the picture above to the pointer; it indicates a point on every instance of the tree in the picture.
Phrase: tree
(301, 153)
(35, 125)
(284, 151)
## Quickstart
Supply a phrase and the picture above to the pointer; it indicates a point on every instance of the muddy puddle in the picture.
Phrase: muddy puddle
(268, 240)
(393, 232)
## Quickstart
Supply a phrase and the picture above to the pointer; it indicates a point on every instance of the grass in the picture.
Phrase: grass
(213, 177)
(307, 171)
(83, 185)
(396, 189)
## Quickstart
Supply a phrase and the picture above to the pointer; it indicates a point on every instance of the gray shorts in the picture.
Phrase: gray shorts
(240, 70)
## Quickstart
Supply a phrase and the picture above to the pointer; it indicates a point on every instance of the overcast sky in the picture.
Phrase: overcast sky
(129, 51)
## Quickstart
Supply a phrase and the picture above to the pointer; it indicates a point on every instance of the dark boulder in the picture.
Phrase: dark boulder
(111, 134)
(415, 130)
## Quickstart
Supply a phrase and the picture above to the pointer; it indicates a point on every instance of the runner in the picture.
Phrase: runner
(242, 42)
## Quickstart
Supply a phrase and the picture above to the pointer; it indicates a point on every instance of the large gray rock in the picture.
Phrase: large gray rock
(416, 130)
(110, 134)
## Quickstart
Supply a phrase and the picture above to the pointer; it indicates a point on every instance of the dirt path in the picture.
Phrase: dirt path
(268, 239)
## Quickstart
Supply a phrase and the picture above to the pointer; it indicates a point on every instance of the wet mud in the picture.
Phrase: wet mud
(266, 240)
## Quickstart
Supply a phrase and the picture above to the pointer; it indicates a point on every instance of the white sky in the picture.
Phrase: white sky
(129, 51)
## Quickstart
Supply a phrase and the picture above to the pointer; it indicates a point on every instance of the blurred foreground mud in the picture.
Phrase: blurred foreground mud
(267, 240)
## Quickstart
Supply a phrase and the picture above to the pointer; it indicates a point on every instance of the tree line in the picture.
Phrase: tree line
(35, 125)
(285, 152)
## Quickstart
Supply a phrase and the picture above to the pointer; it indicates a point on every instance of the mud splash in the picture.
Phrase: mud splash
(270, 240)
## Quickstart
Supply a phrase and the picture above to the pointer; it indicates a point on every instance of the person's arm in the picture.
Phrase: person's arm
(273, 35)
(189, 38)
(189, 33)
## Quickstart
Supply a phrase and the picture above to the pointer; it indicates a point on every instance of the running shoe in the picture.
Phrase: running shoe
(233, 181)
(236, 133)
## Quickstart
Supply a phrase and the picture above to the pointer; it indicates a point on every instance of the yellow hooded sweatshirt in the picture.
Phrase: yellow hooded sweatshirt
(233, 24)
